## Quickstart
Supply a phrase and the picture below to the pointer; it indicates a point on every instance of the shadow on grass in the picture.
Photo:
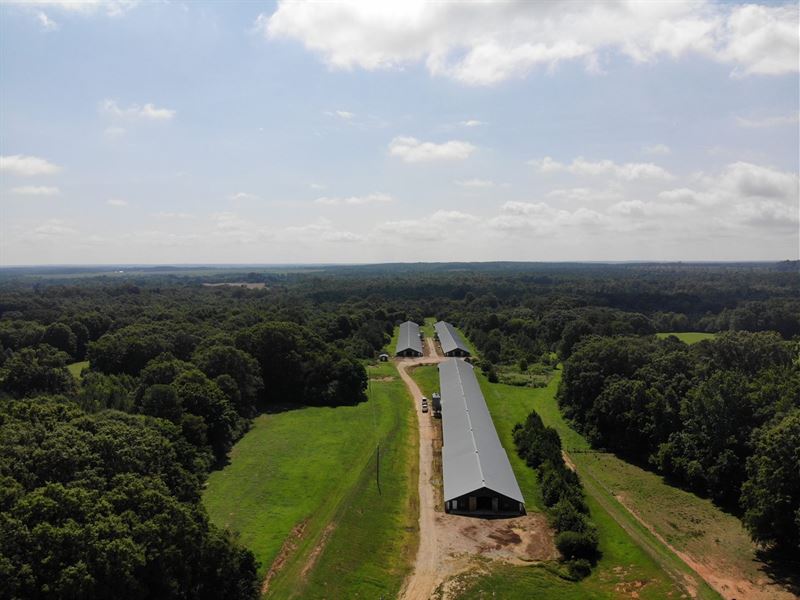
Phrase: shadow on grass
(782, 567)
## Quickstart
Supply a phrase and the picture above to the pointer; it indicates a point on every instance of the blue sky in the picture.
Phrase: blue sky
(366, 132)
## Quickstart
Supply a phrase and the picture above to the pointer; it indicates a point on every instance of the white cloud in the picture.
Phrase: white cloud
(321, 230)
(581, 166)
(542, 219)
(27, 166)
(376, 198)
(583, 194)
(483, 43)
(172, 215)
(118, 202)
(53, 228)
(342, 114)
(762, 39)
(474, 183)
(149, 111)
(472, 123)
(316, 186)
(412, 150)
(659, 149)
(242, 196)
(775, 121)
(36, 190)
(441, 225)
(749, 180)
(46, 22)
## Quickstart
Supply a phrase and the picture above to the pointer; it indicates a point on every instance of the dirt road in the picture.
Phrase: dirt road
(427, 570)
(449, 544)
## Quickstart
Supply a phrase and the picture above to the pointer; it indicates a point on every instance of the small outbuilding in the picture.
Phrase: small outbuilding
(383, 357)
(409, 341)
(451, 341)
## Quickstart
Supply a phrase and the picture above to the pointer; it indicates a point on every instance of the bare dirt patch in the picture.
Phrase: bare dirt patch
(318, 548)
(287, 549)
(722, 577)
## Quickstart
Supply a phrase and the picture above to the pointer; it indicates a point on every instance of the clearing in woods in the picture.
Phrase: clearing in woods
(689, 337)
(713, 543)
(300, 491)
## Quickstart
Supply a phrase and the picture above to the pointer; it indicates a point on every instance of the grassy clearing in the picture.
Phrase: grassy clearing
(427, 378)
(315, 468)
(625, 566)
(689, 337)
(427, 327)
(76, 368)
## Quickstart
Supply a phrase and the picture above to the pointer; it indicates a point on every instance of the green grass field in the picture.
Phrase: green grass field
(314, 468)
(76, 368)
(624, 562)
(689, 337)
(427, 378)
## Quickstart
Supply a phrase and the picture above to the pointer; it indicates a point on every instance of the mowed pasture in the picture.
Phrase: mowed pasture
(301, 492)
(689, 337)
(624, 567)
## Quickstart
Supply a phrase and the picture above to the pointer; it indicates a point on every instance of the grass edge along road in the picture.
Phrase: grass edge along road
(301, 488)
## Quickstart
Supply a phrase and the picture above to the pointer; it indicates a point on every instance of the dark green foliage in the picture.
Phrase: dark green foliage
(301, 368)
(61, 337)
(697, 413)
(771, 495)
(574, 545)
(39, 370)
(562, 492)
(107, 506)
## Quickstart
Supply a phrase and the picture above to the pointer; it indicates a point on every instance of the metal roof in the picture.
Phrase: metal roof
(472, 456)
(408, 338)
(449, 338)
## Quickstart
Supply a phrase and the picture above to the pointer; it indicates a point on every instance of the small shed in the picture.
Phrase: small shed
(383, 357)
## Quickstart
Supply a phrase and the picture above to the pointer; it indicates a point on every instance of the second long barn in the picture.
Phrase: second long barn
(478, 478)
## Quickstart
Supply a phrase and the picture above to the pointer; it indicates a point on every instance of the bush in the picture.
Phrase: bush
(579, 568)
(574, 545)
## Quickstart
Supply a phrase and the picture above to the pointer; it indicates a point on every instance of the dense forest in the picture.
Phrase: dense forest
(101, 472)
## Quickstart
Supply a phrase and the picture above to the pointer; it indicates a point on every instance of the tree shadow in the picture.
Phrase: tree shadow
(782, 567)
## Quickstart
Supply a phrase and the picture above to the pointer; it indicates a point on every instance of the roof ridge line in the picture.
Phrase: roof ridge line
(469, 419)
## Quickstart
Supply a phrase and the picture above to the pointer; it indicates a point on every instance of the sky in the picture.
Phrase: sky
(377, 131)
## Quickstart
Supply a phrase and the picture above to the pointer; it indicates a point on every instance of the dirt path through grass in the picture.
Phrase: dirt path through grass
(428, 571)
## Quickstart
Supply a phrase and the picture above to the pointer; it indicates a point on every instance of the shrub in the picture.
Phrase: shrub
(573, 545)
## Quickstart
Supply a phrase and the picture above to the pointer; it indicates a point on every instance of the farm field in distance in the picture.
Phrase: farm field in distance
(689, 337)
(307, 477)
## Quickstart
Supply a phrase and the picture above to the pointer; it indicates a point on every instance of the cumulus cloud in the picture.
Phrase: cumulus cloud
(474, 183)
(53, 228)
(240, 196)
(27, 166)
(321, 230)
(376, 198)
(36, 190)
(581, 166)
(483, 43)
(471, 123)
(148, 112)
(441, 225)
(412, 150)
